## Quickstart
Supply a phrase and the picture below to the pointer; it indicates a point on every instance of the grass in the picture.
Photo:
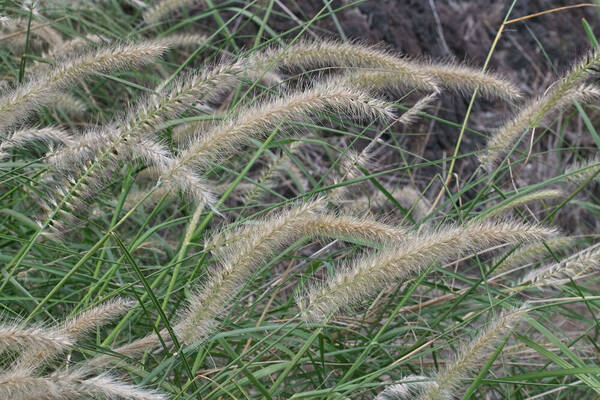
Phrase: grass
(258, 199)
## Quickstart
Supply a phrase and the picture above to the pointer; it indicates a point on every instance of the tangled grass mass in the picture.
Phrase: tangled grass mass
(197, 204)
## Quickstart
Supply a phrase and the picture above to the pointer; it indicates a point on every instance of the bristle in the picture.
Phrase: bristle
(17, 337)
(312, 54)
(369, 274)
(532, 252)
(562, 95)
(581, 172)
(74, 329)
(470, 357)
(165, 7)
(227, 137)
(42, 90)
(563, 272)
(24, 138)
(20, 385)
(463, 79)
(547, 194)
(406, 388)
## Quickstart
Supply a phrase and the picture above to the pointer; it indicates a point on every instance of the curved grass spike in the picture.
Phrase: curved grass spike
(74, 329)
(14, 31)
(254, 122)
(165, 7)
(133, 138)
(321, 224)
(572, 268)
(463, 79)
(70, 47)
(387, 70)
(16, 337)
(24, 138)
(531, 253)
(406, 388)
(37, 345)
(242, 251)
(470, 357)
(562, 94)
(366, 276)
(20, 385)
(41, 90)
(546, 194)
(580, 172)
(313, 54)
(62, 53)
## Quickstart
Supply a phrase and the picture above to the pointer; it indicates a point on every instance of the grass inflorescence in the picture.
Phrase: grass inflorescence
(197, 204)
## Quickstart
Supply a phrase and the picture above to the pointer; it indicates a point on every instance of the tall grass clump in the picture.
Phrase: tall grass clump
(215, 200)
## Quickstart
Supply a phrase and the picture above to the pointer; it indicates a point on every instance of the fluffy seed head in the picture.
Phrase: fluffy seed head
(371, 273)
(164, 7)
(533, 114)
(96, 317)
(73, 330)
(563, 272)
(42, 90)
(24, 138)
(470, 357)
(581, 172)
(407, 388)
(546, 194)
(20, 385)
(464, 79)
(237, 266)
(311, 54)
(256, 121)
(315, 225)
(532, 252)
(18, 337)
